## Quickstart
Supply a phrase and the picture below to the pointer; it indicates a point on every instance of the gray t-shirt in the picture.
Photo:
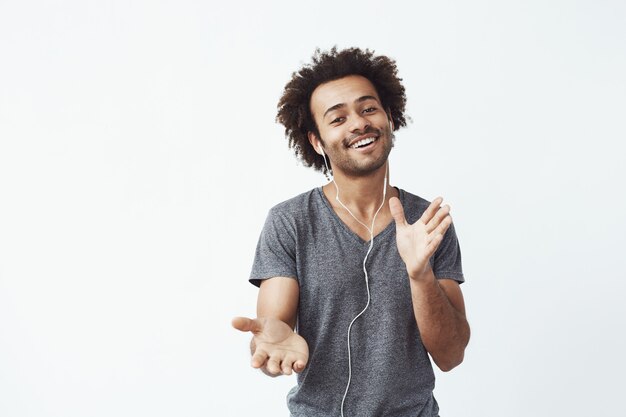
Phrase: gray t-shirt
(303, 238)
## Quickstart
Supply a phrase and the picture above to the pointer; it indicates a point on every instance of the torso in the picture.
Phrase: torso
(311, 240)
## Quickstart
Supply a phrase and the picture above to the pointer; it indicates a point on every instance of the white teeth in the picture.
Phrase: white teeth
(363, 142)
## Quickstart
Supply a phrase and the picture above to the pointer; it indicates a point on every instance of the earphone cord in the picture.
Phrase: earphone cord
(345, 394)
(371, 231)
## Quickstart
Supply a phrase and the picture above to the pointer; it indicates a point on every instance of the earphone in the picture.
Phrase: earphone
(371, 231)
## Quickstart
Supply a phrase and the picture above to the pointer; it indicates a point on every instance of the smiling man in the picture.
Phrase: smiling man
(359, 280)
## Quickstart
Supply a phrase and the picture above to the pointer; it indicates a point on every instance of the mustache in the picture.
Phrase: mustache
(355, 135)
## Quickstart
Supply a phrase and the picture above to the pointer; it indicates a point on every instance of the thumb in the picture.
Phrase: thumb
(395, 206)
(245, 324)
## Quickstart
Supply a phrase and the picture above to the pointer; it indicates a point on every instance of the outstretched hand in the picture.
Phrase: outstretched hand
(276, 348)
(417, 242)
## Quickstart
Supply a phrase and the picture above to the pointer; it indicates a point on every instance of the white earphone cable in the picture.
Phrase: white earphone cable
(371, 231)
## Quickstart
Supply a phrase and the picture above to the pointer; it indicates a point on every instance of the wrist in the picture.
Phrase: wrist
(423, 275)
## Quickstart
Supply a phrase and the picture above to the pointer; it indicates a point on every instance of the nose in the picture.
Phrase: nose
(359, 123)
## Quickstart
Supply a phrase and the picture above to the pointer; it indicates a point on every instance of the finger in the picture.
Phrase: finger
(273, 365)
(431, 210)
(443, 226)
(300, 363)
(245, 324)
(295, 362)
(287, 364)
(397, 212)
(434, 244)
(298, 366)
(259, 358)
(437, 236)
(439, 216)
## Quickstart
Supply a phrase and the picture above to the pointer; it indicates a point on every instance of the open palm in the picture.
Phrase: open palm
(276, 347)
(417, 242)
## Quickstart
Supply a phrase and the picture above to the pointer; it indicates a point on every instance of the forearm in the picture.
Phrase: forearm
(278, 298)
(443, 327)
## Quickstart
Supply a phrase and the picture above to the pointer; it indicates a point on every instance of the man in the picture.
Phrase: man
(368, 274)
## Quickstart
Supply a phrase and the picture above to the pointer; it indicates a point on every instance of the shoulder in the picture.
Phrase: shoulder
(295, 202)
(298, 205)
(297, 210)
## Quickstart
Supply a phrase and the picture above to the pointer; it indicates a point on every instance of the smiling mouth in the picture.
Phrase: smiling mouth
(364, 142)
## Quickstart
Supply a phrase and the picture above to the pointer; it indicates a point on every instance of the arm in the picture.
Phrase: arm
(437, 304)
(276, 349)
(440, 315)
(278, 298)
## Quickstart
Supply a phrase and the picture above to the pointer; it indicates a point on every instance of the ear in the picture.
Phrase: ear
(315, 142)
(391, 125)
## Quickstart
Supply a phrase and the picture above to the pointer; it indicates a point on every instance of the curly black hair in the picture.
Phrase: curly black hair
(294, 110)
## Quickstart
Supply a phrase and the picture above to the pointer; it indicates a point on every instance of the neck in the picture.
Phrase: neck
(362, 194)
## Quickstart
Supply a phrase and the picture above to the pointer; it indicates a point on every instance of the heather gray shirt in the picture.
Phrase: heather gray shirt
(304, 239)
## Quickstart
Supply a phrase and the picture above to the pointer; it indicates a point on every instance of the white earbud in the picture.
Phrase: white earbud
(322, 151)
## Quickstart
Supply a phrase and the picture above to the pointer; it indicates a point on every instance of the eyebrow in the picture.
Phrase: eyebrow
(340, 105)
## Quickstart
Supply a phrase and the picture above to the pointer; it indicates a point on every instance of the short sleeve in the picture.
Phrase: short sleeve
(446, 262)
(275, 254)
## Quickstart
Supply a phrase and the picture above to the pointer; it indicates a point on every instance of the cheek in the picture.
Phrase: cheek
(333, 137)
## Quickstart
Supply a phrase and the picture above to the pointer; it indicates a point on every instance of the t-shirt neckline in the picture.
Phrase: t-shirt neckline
(345, 227)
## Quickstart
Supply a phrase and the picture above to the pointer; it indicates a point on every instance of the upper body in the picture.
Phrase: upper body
(305, 241)
(339, 115)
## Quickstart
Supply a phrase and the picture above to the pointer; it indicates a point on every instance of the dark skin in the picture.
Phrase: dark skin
(343, 118)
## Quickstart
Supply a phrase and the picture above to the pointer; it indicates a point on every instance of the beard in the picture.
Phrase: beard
(341, 159)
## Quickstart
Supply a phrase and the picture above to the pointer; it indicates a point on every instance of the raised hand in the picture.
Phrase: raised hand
(417, 242)
(276, 348)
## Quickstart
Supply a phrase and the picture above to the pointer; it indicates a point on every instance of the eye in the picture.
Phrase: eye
(337, 120)
(370, 110)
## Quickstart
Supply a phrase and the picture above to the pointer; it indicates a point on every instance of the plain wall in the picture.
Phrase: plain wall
(139, 157)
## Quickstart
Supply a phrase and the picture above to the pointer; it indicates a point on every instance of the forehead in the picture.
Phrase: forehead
(341, 91)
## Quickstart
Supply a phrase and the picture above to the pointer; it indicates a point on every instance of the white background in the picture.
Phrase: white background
(139, 156)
